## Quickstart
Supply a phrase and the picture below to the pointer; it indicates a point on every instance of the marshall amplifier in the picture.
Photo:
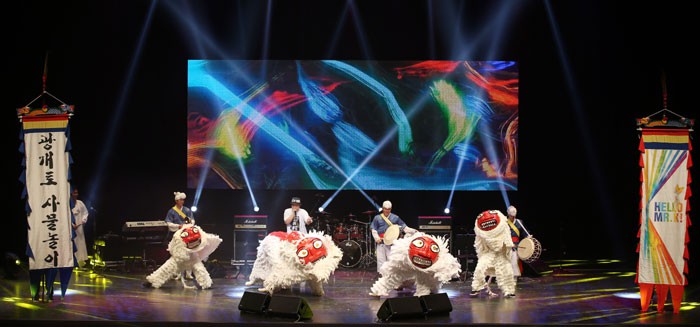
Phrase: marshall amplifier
(437, 226)
(249, 230)
(428, 223)
(250, 222)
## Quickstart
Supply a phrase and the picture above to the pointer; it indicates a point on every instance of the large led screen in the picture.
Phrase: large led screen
(370, 125)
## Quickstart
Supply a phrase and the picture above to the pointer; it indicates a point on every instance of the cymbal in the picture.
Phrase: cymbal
(325, 213)
(369, 212)
(350, 216)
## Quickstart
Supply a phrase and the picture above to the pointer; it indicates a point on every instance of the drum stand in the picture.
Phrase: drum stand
(368, 259)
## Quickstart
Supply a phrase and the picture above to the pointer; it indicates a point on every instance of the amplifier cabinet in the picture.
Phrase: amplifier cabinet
(438, 226)
(248, 231)
(245, 246)
(250, 222)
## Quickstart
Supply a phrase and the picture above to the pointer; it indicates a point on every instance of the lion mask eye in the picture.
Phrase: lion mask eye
(418, 243)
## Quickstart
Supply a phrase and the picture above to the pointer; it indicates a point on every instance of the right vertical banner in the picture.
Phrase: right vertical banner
(664, 215)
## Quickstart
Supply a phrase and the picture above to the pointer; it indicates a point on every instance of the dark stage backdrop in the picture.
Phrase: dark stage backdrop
(585, 73)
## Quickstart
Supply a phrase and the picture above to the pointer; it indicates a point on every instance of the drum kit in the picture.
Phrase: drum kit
(352, 236)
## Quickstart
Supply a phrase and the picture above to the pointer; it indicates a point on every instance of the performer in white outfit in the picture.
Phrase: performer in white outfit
(422, 258)
(80, 213)
(494, 248)
(285, 259)
(296, 218)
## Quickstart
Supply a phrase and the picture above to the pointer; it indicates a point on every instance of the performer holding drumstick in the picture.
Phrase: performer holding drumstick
(517, 233)
(386, 227)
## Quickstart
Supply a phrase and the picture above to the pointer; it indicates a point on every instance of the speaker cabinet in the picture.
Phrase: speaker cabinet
(463, 250)
(436, 304)
(289, 306)
(399, 308)
(254, 302)
(245, 246)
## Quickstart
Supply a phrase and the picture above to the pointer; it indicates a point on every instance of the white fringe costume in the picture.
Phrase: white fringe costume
(279, 263)
(187, 257)
(428, 272)
(493, 250)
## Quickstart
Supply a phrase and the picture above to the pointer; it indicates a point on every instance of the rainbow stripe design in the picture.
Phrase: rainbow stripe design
(663, 216)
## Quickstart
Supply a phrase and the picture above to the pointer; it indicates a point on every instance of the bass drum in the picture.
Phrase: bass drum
(352, 253)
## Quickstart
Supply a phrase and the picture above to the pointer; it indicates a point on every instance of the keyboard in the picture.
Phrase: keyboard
(147, 223)
(145, 231)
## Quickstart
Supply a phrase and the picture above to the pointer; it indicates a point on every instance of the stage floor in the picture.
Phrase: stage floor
(588, 293)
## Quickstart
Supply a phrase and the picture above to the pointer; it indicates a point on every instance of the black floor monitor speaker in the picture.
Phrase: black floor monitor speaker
(436, 304)
(289, 306)
(254, 302)
(400, 307)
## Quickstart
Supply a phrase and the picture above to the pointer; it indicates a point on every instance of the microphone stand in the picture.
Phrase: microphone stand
(317, 220)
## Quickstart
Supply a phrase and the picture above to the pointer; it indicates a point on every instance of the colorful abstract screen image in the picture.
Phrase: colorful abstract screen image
(348, 125)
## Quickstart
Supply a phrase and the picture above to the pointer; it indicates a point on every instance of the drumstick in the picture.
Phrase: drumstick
(523, 226)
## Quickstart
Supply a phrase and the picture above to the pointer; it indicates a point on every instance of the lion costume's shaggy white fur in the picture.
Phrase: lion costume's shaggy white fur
(493, 251)
(183, 259)
(277, 265)
(399, 268)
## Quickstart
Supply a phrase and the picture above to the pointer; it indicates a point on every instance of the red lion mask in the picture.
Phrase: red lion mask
(191, 237)
(311, 249)
(423, 252)
(488, 220)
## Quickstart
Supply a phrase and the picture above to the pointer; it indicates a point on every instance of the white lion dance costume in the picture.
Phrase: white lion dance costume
(285, 259)
(188, 248)
(493, 246)
(422, 258)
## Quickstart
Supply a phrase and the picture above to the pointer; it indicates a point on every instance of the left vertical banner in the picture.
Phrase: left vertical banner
(45, 143)
(48, 191)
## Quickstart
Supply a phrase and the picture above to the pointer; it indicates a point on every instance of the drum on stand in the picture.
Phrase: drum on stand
(529, 249)
(340, 233)
(352, 253)
(356, 232)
